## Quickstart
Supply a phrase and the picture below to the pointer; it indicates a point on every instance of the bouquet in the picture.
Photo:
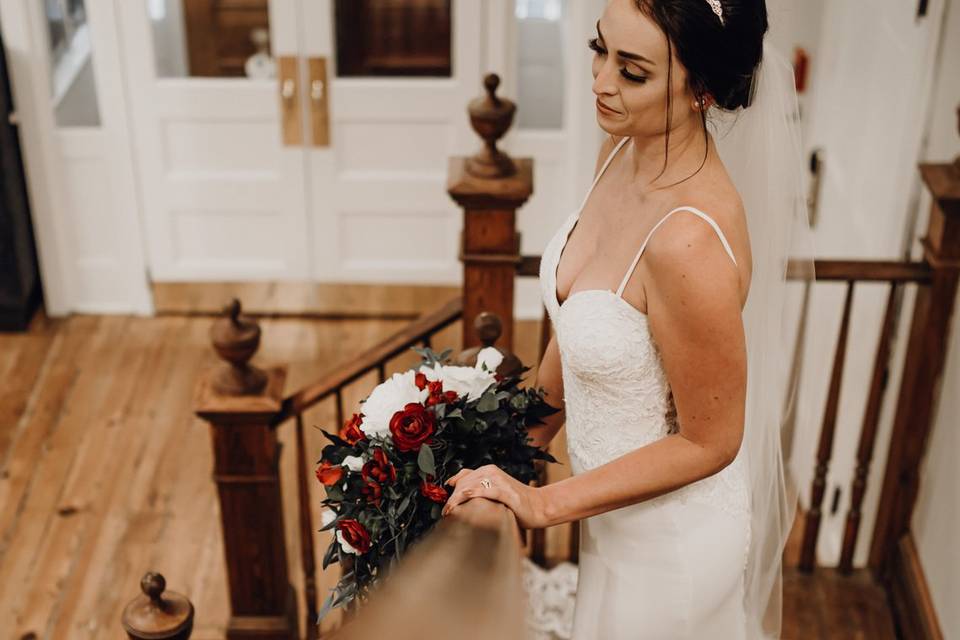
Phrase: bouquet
(384, 472)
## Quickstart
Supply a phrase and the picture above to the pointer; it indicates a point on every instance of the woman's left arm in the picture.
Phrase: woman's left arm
(694, 315)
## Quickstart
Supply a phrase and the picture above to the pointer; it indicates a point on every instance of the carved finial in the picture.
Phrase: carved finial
(236, 339)
(157, 614)
(489, 328)
(491, 117)
(491, 81)
(232, 311)
(153, 585)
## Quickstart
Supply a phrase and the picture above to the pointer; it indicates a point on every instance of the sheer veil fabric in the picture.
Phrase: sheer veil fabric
(761, 149)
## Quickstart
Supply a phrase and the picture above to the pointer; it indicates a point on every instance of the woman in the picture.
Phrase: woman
(645, 285)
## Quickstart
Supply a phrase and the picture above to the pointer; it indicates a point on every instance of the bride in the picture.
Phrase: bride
(678, 479)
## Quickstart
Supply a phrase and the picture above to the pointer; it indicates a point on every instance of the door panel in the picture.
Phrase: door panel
(223, 195)
(379, 207)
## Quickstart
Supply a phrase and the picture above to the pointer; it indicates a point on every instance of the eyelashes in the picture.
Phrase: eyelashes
(594, 43)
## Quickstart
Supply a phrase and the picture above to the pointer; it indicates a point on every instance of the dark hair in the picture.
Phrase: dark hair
(720, 58)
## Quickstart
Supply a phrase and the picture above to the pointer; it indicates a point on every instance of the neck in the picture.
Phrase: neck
(685, 155)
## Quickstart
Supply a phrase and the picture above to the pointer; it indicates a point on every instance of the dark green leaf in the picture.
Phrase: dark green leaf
(488, 402)
(425, 460)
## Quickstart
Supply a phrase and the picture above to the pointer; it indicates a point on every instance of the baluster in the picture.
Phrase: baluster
(868, 432)
(538, 537)
(339, 400)
(573, 551)
(306, 534)
(812, 526)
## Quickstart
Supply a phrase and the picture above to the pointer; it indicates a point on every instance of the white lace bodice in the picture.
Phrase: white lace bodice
(616, 395)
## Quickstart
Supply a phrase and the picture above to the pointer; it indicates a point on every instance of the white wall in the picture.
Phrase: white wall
(936, 521)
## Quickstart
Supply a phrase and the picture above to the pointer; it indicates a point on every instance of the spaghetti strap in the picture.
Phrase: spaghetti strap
(636, 259)
(600, 173)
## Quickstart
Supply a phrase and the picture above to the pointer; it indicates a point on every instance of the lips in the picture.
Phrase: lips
(606, 109)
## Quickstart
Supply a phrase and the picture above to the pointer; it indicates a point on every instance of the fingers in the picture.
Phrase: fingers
(452, 480)
(465, 495)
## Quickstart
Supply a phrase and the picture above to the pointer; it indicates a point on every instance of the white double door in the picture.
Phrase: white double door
(235, 186)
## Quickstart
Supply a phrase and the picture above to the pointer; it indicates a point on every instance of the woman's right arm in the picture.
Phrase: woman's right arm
(549, 377)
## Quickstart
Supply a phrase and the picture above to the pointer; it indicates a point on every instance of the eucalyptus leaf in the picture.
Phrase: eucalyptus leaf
(328, 557)
(488, 402)
(425, 460)
(325, 609)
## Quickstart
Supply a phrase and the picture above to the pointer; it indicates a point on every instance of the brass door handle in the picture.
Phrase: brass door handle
(316, 90)
(319, 102)
(289, 91)
(290, 116)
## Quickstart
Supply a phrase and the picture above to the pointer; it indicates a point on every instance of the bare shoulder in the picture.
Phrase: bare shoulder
(687, 254)
(606, 148)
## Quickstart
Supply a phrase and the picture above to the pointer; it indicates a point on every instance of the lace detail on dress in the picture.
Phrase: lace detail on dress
(617, 396)
(551, 596)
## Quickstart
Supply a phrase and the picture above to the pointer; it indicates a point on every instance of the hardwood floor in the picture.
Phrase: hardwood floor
(105, 473)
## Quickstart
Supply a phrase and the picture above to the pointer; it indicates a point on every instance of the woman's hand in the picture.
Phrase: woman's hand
(525, 501)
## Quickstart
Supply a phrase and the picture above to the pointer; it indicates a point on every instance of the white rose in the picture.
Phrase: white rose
(327, 516)
(490, 357)
(386, 399)
(354, 463)
(346, 546)
(468, 382)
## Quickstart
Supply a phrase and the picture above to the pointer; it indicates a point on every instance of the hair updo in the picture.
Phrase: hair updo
(721, 59)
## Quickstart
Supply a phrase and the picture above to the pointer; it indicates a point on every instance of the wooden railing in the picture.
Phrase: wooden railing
(479, 540)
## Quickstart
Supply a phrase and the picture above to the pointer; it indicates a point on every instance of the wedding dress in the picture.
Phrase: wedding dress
(669, 567)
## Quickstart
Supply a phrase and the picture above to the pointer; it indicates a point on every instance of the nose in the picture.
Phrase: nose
(605, 78)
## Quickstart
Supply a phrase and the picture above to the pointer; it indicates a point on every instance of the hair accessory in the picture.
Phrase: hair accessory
(717, 9)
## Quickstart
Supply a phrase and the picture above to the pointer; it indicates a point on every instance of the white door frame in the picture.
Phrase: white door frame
(112, 277)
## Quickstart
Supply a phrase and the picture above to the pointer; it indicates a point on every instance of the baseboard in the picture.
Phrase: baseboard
(332, 300)
(910, 598)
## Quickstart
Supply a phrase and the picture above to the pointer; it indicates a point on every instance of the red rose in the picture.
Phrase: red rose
(450, 396)
(351, 429)
(435, 387)
(420, 380)
(433, 491)
(379, 468)
(354, 534)
(371, 491)
(411, 426)
(329, 474)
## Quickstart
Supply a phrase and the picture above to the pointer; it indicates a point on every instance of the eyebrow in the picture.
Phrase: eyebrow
(627, 54)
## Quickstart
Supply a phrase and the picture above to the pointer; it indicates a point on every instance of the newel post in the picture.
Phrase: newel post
(490, 187)
(926, 351)
(240, 403)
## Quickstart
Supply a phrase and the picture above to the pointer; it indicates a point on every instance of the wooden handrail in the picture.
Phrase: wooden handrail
(864, 271)
(417, 331)
(826, 269)
(427, 596)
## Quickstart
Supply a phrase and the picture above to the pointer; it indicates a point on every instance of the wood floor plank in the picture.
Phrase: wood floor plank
(124, 514)
(91, 476)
